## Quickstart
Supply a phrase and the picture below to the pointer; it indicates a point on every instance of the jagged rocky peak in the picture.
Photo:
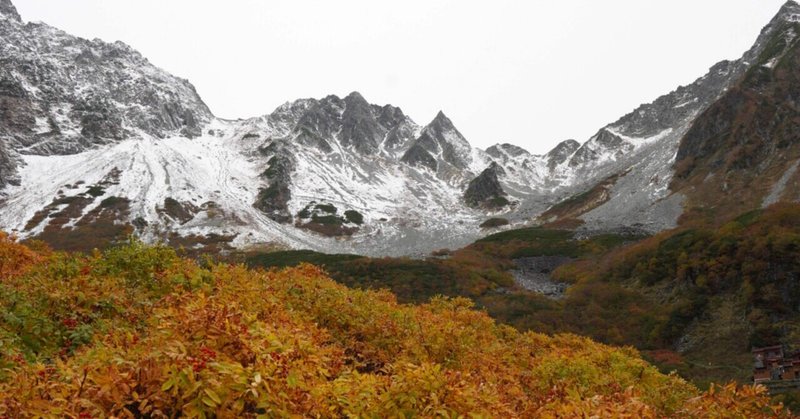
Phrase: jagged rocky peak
(443, 129)
(351, 122)
(417, 155)
(715, 131)
(389, 116)
(777, 38)
(441, 120)
(759, 113)
(603, 146)
(727, 160)
(485, 191)
(565, 147)
(790, 12)
(285, 117)
(686, 102)
(319, 123)
(402, 129)
(663, 122)
(8, 11)
(355, 98)
(441, 138)
(64, 94)
(502, 151)
(560, 153)
(360, 128)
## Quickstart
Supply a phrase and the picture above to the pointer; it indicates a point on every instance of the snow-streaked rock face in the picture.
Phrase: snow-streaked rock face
(220, 173)
(8, 11)
(62, 94)
(74, 112)
(354, 155)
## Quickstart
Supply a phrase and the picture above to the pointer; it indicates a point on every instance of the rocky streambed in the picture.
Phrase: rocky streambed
(533, 274)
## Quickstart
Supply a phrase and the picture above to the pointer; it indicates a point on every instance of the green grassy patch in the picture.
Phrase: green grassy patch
(295, 257)
(96, 191)
(326, 219)
(494, 223)
(354, 217)
(533, 234)
(328, 208)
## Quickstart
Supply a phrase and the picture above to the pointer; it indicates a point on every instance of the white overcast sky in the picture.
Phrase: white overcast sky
(532, 73)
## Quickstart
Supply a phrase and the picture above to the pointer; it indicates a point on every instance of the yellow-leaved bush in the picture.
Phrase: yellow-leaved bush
(139, 332)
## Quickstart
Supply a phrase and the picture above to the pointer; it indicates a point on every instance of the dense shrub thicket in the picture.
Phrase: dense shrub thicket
(138, 331)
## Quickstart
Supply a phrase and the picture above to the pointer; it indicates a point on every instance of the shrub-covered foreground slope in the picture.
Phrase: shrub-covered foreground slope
(137, 331)
(697, 300)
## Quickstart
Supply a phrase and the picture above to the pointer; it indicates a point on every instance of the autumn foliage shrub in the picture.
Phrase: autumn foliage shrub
(14, 258)
(754, 258)
(139, 332)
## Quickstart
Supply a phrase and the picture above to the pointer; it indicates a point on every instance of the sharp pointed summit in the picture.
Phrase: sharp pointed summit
(441, 120)
(360, 129)
(790, 11)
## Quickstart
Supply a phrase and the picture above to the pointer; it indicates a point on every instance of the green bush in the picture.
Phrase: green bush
(354, 217)
(329, 208)
(96, 191)
(494, 223)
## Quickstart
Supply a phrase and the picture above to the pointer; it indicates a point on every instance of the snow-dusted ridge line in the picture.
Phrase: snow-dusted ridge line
(117, 110)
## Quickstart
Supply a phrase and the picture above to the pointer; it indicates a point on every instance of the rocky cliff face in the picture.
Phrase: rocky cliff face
(485, 191)
(61, 94)
(640, 149)
(372, 160)
(561, 153)
(360, 127)
(8, 173)
(441, 138)
(418, 156)
(8, 11)
(769, 90)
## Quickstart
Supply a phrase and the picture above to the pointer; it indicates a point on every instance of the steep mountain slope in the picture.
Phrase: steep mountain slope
(708, 294)
(62, 94)
(641, 148)
(744, 150)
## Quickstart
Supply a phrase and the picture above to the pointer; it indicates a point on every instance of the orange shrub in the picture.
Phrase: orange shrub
(14, 257)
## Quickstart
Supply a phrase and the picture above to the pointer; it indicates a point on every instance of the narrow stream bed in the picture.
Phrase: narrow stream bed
(533, 274)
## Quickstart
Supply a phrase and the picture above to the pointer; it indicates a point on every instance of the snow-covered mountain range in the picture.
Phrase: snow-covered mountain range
(92, 134)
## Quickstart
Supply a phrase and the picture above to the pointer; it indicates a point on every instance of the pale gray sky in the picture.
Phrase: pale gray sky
(531, 73)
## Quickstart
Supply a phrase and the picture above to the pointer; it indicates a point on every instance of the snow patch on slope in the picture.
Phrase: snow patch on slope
(639, 142)
(408, 211)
